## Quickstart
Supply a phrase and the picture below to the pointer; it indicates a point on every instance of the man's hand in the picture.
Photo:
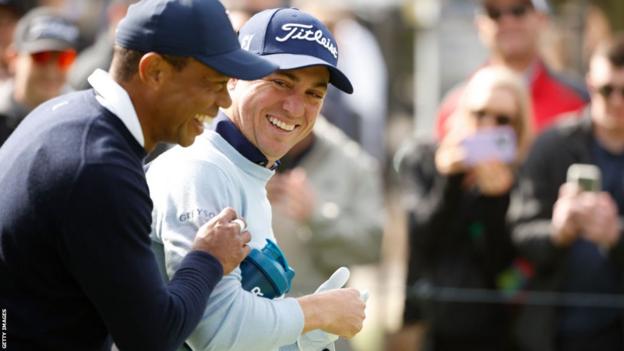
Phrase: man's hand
(222, 238)
(292, 193)
(599, 219)
(339, 312)
(332, 309)
(565, 215)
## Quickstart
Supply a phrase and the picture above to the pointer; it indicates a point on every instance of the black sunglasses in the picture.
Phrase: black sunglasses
(608, 89)
(517, 11)
(500, 119)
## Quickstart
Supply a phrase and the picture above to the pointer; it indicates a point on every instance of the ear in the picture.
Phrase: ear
(153, 69)
(231, 85)
(10, 56)
(232, 82)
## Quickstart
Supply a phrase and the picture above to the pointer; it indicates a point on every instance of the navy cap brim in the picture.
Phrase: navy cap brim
(294, 61)
(239, 64)
(44, 45)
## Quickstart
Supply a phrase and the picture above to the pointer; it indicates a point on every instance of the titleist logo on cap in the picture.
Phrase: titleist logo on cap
(296, 31)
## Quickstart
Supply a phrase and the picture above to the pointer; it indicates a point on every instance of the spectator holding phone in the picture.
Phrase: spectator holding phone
(457, 198)
(511, 30)
(574, 237)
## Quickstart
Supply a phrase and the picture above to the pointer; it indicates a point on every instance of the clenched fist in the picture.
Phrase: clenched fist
(222, 238)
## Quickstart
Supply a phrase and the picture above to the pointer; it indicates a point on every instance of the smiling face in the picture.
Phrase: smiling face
(187, 99)
(278, 111)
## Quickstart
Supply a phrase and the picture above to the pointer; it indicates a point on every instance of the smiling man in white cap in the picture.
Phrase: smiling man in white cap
(76, 266)
(229, 165)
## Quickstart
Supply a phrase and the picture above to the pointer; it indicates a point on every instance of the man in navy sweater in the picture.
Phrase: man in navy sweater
(76, 268)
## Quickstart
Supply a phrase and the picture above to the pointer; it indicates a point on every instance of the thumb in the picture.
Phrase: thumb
(226, 215)
(336, 281)
(364, 295)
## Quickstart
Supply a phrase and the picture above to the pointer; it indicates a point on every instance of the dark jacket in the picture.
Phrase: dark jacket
(531, 211)
(11, 111)
(76, 265)
(457, 238)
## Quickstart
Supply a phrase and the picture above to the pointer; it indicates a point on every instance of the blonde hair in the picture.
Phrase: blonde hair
(489, 79)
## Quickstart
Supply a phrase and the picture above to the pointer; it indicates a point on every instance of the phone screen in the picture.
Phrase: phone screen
(497, 143)
(586, 176)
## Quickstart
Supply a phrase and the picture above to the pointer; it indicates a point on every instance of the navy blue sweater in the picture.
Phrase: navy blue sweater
(75, 260)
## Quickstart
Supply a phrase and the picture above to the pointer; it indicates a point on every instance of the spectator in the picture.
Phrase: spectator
(323, 221)
(574, 238)
(230, 166)
(38, 58)
(76, 266)
(510, 30)
(457, 209)
(43, 51)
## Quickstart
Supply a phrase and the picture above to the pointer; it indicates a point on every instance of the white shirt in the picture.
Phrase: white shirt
(115, 99)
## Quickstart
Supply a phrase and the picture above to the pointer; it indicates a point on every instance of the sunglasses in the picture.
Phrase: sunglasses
(501, 119)
(516, 11)
(64, 59)
(608, 89)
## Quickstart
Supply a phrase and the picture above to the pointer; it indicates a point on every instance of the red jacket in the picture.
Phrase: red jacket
(551, 96)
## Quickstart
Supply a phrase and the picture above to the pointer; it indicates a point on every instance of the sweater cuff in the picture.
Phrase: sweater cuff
(201, 267)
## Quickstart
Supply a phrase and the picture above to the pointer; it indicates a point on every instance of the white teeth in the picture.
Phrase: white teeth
(202, 118)
(282, 125)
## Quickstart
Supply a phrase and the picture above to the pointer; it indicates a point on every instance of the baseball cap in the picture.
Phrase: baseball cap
(44, 29)
(539, 5)
(18, 6)
(293, 39)
(196, 28)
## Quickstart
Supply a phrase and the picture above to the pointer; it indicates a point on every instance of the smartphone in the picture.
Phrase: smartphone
(498, 143)
(586, 176)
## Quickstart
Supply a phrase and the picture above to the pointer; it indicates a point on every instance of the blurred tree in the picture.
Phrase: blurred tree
(613, 9)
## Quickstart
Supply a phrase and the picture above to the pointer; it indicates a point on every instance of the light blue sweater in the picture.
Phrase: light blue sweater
(189, 186)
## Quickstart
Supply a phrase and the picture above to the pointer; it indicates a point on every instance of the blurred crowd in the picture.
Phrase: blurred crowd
(494, 214)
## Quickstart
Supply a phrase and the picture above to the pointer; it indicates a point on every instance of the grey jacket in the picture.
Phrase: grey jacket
(347, 224)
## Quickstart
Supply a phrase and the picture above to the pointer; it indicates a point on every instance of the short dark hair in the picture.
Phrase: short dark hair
(613, 50)
(126, 62)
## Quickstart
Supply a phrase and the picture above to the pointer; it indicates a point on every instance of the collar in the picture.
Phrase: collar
(115, 99)
(534, 71)
(530, 73)
(223, 126)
